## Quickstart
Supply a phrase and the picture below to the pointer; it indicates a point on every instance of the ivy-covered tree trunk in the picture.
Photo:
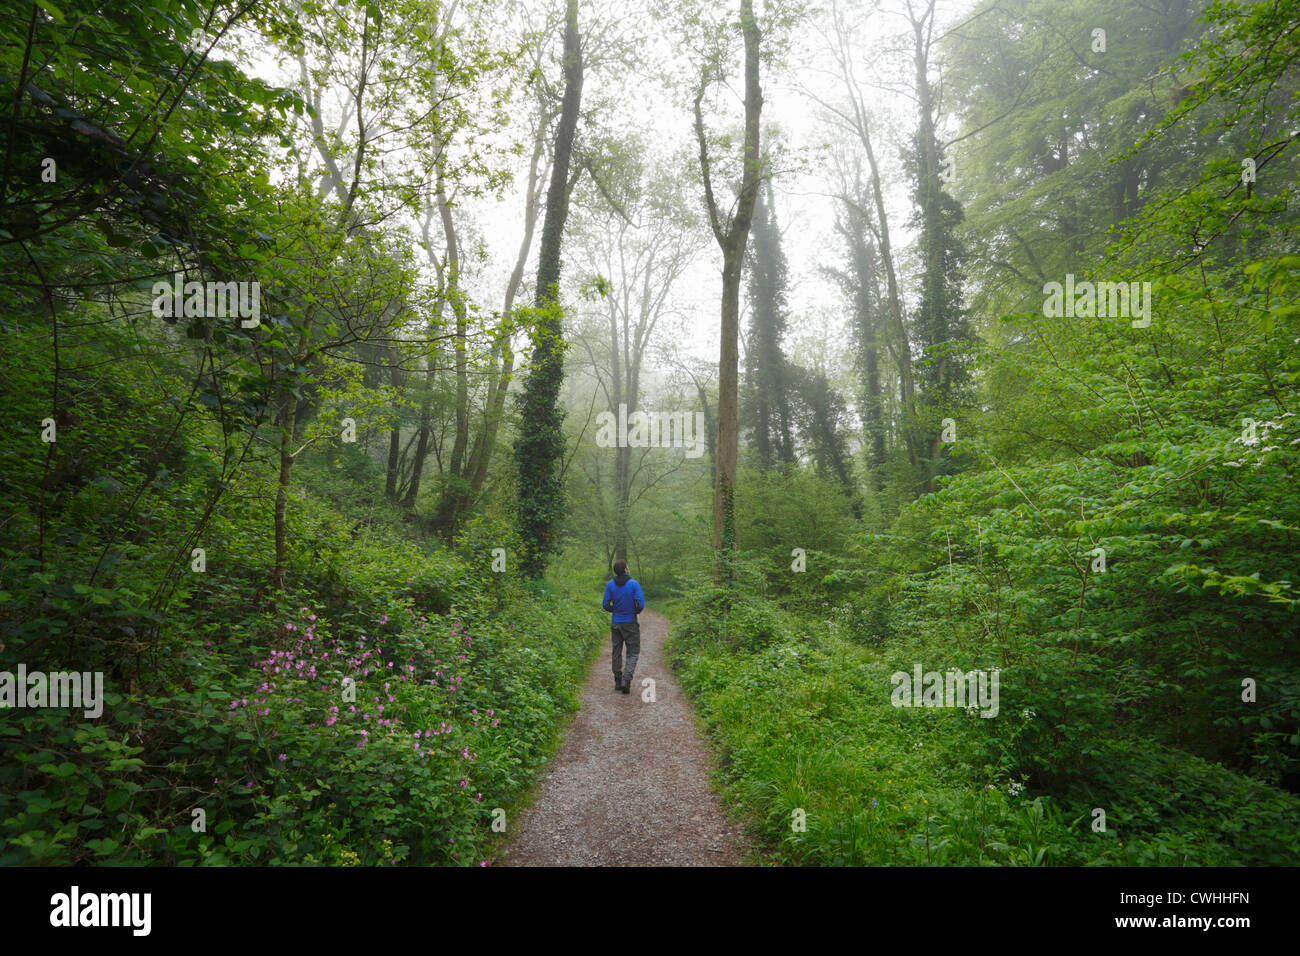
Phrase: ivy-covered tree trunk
(766, 371)
(863, 288)
(540, 446)
(940, 323)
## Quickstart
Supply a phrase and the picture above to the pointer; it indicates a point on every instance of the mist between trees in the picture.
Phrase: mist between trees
(957, 335)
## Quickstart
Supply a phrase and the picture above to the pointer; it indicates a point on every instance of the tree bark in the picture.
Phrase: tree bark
(395, 439)
(731, 237)
(540, 450)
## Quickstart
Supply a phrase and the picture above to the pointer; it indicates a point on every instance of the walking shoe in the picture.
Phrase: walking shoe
(627, 687)
(618, 681)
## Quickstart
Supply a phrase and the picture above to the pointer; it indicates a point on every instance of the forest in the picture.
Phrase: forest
(933, 364)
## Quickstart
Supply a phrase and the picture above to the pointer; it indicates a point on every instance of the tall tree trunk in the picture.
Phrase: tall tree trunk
(900, 348)
(502, 353)
(421, 448)
(539, 452)
(724, 490)
(731, 237)
(896, 338)
(453, 294)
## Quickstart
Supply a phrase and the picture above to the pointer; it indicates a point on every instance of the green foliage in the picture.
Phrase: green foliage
(246, 718)
(539, 447)
(804, 720)
(140, 543)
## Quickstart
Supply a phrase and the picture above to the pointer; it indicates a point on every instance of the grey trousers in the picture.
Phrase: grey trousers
(629, 633)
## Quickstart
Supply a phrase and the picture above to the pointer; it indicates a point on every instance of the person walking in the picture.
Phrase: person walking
(624, 600)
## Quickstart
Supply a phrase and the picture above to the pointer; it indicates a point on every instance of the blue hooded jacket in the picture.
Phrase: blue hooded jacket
(623, 596)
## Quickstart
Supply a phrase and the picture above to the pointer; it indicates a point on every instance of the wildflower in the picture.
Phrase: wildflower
(282, 758)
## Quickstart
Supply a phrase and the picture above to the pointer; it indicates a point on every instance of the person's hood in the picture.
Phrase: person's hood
(622, 579)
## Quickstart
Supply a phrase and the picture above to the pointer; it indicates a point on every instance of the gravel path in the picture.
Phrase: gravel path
(630, 786)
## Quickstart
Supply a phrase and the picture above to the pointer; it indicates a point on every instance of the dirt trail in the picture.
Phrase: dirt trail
(630, 786)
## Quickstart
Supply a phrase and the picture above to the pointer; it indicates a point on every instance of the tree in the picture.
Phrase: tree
(539, 447)
(821, 418)
(940, 320)
(853, 118)
(860, 282)
(636, 251)
(767, 376)
(731, 231)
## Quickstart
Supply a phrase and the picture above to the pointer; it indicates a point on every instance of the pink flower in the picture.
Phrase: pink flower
(283, 757)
